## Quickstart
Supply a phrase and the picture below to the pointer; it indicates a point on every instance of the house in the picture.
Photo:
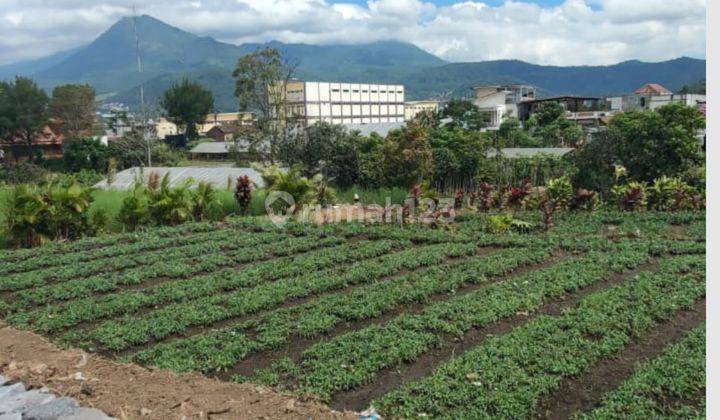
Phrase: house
(225, 118)
(343, 103)
(49, 142)
(222, 132)
(502, 101)
(164, 128)
(652, 96)
(413, 108)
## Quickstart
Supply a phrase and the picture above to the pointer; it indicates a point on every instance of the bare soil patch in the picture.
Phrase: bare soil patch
(130, 391)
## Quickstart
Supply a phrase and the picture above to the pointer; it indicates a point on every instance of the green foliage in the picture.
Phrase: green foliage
(135, 210)
(170, 205)
(405, 157)
(187, 104)
(86, 153)
(292, 182)
(672, 194)
(23, 112)
(129, 151)
(37, 214)
(464, 114)
(204, 201)
(21, 173)
(630, 196)
(73, 107)
(649, 144)
(164, 155)
(458, 156)
(324, 148)
(504, 223)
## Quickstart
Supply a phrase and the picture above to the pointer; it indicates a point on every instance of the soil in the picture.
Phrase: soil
(585, 392)
(129, 391)
(359, 398)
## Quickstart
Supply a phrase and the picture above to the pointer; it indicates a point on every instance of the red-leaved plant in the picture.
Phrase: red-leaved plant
(459, 197)
(485, 196)
(243, 193)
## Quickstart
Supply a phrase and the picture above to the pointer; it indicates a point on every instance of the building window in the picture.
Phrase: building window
(336, 90)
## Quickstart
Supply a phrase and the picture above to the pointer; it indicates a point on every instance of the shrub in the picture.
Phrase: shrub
(243, 193)
(505, 222)
(52, 211)
(170, 205)
(459, 197)
(135, 210)
(203, 200)
(584, 200)
(554, 198)
(21, 173)
(672, 194)
(631, 196)
(516, 195)
(486, 198)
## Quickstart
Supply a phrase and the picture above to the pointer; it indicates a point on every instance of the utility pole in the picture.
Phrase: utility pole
(143, 116)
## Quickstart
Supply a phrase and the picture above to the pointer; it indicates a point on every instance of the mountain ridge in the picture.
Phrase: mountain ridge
(168, 53)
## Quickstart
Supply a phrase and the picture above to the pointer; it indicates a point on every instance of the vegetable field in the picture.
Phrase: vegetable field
(602, 317)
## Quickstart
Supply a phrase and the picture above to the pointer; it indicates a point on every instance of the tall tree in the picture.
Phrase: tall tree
(73, 108)
(23, 112)
(261, 86)
(407, 157)
(465, 114)
(648, 144)
(187, 104)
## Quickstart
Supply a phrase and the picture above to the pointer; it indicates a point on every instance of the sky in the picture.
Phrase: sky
(554, 32)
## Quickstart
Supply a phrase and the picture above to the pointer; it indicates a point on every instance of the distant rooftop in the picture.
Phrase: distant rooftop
(527, 152)
(653, 89)
(125, 180)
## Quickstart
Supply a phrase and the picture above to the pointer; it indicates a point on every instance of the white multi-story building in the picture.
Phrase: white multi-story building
(501, 101)
(345, 103)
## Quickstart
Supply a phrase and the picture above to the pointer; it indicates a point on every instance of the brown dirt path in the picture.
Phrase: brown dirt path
(130, 391)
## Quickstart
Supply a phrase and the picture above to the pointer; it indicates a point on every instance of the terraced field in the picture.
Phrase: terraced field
(601, 317)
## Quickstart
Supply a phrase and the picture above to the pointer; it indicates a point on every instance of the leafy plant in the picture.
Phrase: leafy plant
(135, 210)
(203, 199)
(584, 200)
(243, 193)
(671, 194)
(631, 196)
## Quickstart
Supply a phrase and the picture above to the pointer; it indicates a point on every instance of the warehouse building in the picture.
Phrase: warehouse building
(345, 103)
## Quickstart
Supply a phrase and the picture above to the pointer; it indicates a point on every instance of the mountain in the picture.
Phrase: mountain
(9, 71)
(109, 63)
(456, 79)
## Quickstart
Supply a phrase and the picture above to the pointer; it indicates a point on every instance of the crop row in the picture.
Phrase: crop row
(319, 253)
(356, 358)
(56, 317)
(506, 376)
(222, 349)
(216, 242)
(92, 247)
(657, 387)
(128, 331)
(49, 262)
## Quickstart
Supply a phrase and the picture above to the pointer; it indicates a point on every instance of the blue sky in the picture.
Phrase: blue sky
(557, 32)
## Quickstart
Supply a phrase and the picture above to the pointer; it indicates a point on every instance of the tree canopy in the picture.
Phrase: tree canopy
(73, 108)
(187, 104)
(23, 112)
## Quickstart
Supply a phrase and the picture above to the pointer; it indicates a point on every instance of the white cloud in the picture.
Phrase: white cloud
(575, 32)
